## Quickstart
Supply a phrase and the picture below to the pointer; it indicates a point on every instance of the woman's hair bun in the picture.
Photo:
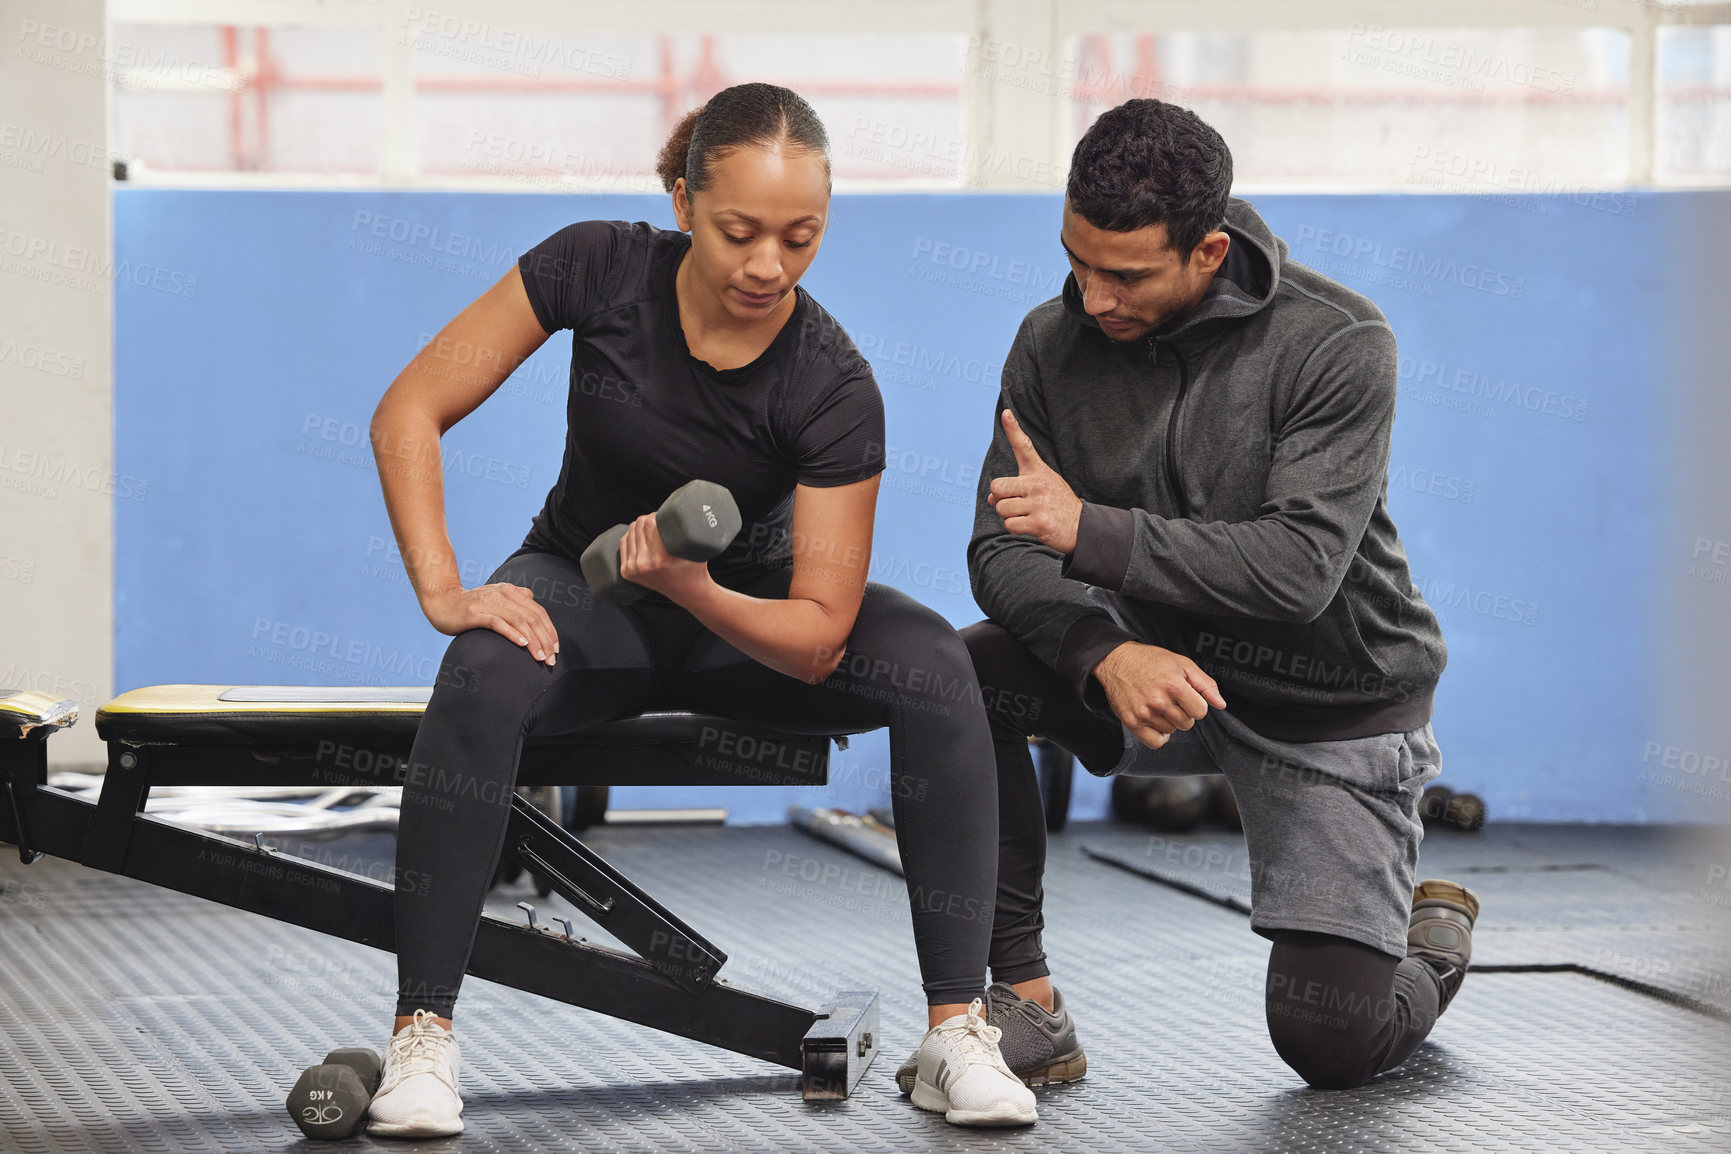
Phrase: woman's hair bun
(739, 117)
(670, 162)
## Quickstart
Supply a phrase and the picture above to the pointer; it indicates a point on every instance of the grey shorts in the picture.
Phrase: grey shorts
(1332, 827)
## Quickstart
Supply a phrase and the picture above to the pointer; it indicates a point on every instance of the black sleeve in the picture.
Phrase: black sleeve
(841, 439)
(1018, 581)
(565, 274)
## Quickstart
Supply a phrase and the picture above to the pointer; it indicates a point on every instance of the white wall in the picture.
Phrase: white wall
(56, 337)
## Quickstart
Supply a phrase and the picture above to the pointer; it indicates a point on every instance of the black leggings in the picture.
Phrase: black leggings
(904, 668)
(1339, 1012)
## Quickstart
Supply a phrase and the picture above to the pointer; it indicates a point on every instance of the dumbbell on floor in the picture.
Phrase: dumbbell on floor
(1226, 805)
(1441, 805)
(1176, 804)
(696, 523)
(1169, 804)
(329, 1100)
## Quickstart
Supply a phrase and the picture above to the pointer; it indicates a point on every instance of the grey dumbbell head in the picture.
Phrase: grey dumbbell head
(328, 1101)
(698, 521)
(600, 564)
(364, 1062)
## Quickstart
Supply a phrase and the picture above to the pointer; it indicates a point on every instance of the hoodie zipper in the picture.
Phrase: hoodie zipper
(1172, 421)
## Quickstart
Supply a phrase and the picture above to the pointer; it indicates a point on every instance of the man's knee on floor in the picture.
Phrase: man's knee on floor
(1333, 1011)
(1328, 1021)
(1325, 1050)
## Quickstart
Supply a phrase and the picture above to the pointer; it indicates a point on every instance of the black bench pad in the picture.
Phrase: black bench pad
(295, 716)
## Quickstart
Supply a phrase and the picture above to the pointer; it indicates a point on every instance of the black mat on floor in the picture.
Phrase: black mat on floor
(132, 1018)
(1646, 905)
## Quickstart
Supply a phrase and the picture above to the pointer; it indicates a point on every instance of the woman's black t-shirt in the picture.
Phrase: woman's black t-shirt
(645, 416)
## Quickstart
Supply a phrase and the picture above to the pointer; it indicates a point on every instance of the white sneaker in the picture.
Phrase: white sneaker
(417, 1096)
(962, 1075)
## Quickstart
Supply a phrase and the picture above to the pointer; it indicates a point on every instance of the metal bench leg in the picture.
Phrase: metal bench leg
(610, 899)
(125, 789)
(23, 766)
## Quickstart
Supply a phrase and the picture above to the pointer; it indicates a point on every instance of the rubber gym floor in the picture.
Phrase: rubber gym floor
(134, 1018)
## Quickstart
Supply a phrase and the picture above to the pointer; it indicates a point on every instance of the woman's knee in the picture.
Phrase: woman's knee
(484, 671)
(898, 631)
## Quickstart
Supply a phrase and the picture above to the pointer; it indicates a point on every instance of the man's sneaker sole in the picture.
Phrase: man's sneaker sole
(1440, 932)
(1447, 912)
(1440, 892)
(1068, 1068)
(931, 1098)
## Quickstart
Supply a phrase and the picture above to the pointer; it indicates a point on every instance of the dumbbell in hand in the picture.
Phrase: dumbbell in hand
(330, 1100)
(696, 523)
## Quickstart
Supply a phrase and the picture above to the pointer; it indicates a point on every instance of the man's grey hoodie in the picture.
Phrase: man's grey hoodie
(1234, 473)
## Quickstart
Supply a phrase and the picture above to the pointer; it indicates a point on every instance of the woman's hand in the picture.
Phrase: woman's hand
(645, 560)
(508, 610)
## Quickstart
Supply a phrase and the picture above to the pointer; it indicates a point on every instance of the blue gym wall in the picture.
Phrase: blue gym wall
(255, 332)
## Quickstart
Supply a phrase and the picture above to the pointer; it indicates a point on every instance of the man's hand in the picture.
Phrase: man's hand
(1036, 502)
(1155, 691)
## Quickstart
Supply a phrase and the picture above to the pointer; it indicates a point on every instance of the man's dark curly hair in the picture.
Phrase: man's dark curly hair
(1146, 162)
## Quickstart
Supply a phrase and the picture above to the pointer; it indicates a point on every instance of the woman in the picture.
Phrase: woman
(693, 357)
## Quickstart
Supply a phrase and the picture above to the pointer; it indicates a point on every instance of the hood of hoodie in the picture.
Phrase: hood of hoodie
(1244, 284)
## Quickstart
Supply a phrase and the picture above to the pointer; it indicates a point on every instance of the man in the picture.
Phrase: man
(1185, 553)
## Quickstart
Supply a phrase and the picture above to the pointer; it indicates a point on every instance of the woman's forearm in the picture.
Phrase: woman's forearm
(450, 377)
(795, 636)
(406, 449)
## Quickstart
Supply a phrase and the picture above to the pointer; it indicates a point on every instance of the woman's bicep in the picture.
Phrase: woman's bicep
(832, 545)
(471, 357)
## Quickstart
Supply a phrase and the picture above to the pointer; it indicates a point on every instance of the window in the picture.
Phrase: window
(1692, 131)
(1401, 108)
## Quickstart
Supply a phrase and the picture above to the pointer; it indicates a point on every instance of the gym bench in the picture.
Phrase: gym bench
(168, 735)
